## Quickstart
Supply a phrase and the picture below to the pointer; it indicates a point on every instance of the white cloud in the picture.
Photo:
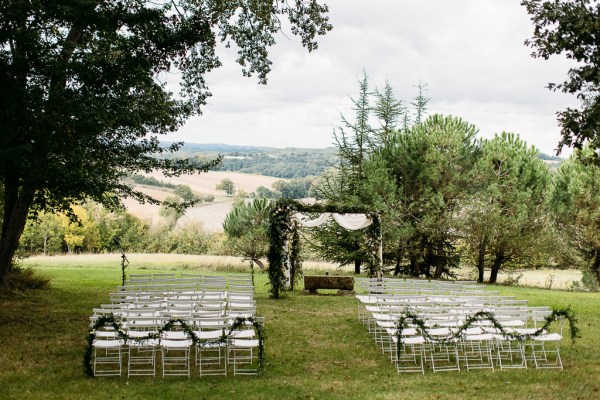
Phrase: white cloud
(469, 52)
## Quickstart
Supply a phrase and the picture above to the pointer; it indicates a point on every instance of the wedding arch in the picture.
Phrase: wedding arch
(287, 216)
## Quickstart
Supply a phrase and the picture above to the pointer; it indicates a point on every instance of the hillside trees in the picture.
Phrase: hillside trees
(505, 220)
(571, 28)
(94, 231)
(81, 102)
(44, 235)
(227, 186)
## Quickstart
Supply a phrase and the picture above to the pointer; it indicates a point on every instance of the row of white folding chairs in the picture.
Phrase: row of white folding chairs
(145, 298)
(372, 303)
(183, 296)
(221, 308)
(481, 346)
(166, 287)
(212, 354)
(489, 299)
(513, 312)
(372, 285)
(186, 294)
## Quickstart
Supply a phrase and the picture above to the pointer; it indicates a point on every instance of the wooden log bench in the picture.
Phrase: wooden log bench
(344, 284)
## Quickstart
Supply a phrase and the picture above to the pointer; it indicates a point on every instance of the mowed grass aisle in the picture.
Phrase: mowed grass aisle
(315, 348)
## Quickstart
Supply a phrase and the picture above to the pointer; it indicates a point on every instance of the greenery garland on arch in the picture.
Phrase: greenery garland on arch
(408, 315)
(281, 229)
(121, 334)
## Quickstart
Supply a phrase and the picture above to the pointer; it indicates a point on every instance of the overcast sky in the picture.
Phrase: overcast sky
(470, 53)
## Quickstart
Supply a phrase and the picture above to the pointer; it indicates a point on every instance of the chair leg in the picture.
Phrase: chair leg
(211, 359)
(175, 361)
(141, 361)
(107, 361)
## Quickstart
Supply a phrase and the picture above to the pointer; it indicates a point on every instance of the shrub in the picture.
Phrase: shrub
(20, 279)
(589, 280)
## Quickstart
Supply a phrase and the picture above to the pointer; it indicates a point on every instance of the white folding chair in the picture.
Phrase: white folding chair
(107, 352)
(243, 351)
(410, 357)
(546, 351)
(175, 351)
(442, 350)
(141, 349)
(211, 352)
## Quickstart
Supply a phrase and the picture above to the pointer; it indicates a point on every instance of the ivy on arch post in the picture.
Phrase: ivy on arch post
(283, 227)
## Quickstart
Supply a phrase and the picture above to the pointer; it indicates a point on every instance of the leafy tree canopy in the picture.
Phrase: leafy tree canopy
(227, 185)
(571, 27)
(83, 97)
(246, 228)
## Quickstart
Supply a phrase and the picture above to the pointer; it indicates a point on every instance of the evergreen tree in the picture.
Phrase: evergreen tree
(420, 104)
(505, 220)
(419, 180)
(388, 111)
(246, 229)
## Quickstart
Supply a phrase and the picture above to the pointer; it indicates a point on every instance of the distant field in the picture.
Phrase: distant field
(212, 214)
(207, 182)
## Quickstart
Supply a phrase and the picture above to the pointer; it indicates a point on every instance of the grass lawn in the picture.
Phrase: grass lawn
(315, 348)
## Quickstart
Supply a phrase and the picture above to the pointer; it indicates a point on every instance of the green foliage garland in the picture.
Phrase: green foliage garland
(281, 226)
(373, 238)
(295, 257)
(121, 334)
(278, 230)
(484, 315)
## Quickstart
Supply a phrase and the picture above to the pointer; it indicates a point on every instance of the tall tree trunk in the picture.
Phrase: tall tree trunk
(357, 264)
(596, 265)
(414, 267)
(481, 260)
(497, 264)
(439, 263)
(397, 267)
(16, 209)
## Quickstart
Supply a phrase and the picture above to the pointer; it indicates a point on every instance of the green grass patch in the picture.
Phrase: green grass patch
(316, 349)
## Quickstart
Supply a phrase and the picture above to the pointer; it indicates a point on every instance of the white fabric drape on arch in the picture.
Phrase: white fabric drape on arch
(351, 222)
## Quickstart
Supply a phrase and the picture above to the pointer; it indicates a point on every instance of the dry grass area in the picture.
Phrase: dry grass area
(544, 278)
(207, 182)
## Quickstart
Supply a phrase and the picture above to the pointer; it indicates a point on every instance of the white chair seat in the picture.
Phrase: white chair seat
(107, 344)
(480, 337)
(527, 331)
(243, 334)
(175, 344)
(413, 340)
(551, 337)
(244, 343)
